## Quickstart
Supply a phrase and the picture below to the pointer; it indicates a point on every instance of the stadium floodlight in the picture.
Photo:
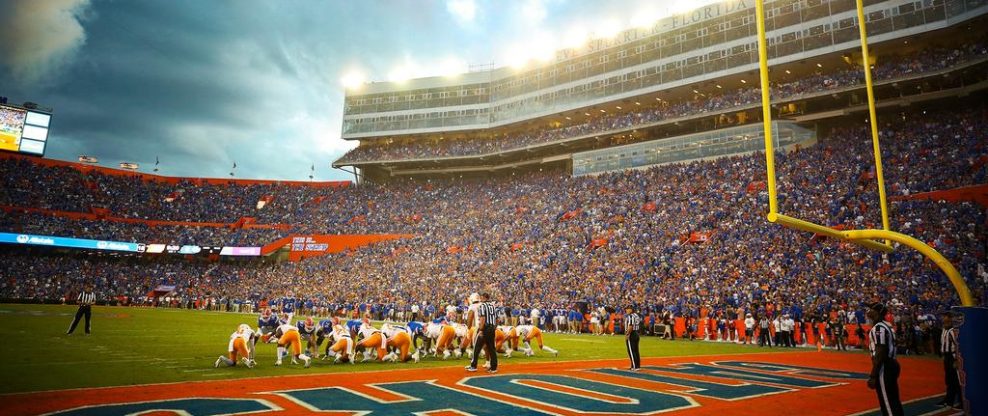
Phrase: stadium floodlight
(542, 47)
(400, 74)
(517, 57)
(352, 79)
(576, 37)
(645, 18)
(452, 66)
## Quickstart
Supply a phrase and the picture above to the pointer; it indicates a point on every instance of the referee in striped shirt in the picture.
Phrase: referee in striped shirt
(948, 348)
(485, 336)
(86, 299)
(884, 376)
(632, 327)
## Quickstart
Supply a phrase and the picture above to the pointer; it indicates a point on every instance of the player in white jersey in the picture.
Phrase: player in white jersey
(341, 345)
(288, 337)
(240, 345)
(526, 333)
(372, 340)
(432, 333)
(462, 336)
(399, 341)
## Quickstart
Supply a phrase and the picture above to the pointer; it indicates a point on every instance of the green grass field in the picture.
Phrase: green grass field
(140, 346)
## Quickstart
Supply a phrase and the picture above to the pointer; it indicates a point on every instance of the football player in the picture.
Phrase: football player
(340, 345)
(398, 340)
(505, 335)
(307, 331)
(526, 333)
(239, 346)
(371, 339)
(288, 337)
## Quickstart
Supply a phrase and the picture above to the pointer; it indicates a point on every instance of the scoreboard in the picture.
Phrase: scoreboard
(23, 130)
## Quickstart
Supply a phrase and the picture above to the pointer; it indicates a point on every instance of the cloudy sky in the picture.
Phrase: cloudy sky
(202, 84)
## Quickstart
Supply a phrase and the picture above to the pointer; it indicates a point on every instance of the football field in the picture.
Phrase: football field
(132, 351)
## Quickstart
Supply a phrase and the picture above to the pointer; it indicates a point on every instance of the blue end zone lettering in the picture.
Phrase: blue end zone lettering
(627, 400)
(700, 388)
(419, 397)
(192, 406)
(739, 374)
(795, 369)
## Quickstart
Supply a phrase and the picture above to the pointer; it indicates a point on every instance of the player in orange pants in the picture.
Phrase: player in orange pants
(527, 333)
(398, 340)
(505, 335)
(289, 338)
(466, 343)
(373, 339)
(445, 343)
(238, 347)
(341, 345)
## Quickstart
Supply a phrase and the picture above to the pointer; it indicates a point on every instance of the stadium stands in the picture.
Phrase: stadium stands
(680, 238)
(889, 69)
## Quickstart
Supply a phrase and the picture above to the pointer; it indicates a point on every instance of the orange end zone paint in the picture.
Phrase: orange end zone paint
(921, 378)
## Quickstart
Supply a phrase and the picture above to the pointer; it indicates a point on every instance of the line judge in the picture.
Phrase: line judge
(86, 299)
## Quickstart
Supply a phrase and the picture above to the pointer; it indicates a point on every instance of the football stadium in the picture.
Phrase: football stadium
(741, 207)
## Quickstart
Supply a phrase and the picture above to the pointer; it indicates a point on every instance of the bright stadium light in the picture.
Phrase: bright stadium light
(576, 37)
(646, 17)
(352, 80)
(400, 74)
(542, 47)
(517, 57)
(452, 66)
(607, 28)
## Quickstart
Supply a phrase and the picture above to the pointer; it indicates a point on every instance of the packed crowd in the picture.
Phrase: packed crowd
(42, 224)
(889, 68)
(547, 240)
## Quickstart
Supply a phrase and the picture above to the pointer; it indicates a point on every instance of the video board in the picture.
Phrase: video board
(23, 130)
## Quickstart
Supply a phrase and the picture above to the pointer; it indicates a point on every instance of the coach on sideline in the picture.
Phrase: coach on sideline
(86, 299)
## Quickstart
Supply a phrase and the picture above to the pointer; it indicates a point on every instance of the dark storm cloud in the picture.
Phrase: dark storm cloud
(202, 84)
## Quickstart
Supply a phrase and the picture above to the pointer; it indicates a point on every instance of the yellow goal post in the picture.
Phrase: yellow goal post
(873, 239)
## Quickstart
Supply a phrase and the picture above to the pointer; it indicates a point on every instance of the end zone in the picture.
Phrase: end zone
(827, 383)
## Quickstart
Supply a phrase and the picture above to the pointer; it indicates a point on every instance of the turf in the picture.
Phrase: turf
(140, 346)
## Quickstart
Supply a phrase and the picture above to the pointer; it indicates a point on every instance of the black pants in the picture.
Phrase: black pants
(888, 389)
(764, 337)
(633, 355)
(83, 310)
(950, 378)
(485, 340)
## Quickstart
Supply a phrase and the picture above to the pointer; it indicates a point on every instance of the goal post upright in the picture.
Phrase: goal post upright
(865, 238)
(869, 87)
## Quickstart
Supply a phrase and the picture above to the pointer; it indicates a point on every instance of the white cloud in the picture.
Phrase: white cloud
(465, 11)
(40, 37)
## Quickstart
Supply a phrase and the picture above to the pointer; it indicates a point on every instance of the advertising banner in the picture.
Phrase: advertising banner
(52, 241)
(240, 251)
(189, 250)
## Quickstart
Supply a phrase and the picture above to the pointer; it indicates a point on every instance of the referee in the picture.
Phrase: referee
(884, 376)
(948, 348)
(487, 318)
(632, 326)
(86, 299)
